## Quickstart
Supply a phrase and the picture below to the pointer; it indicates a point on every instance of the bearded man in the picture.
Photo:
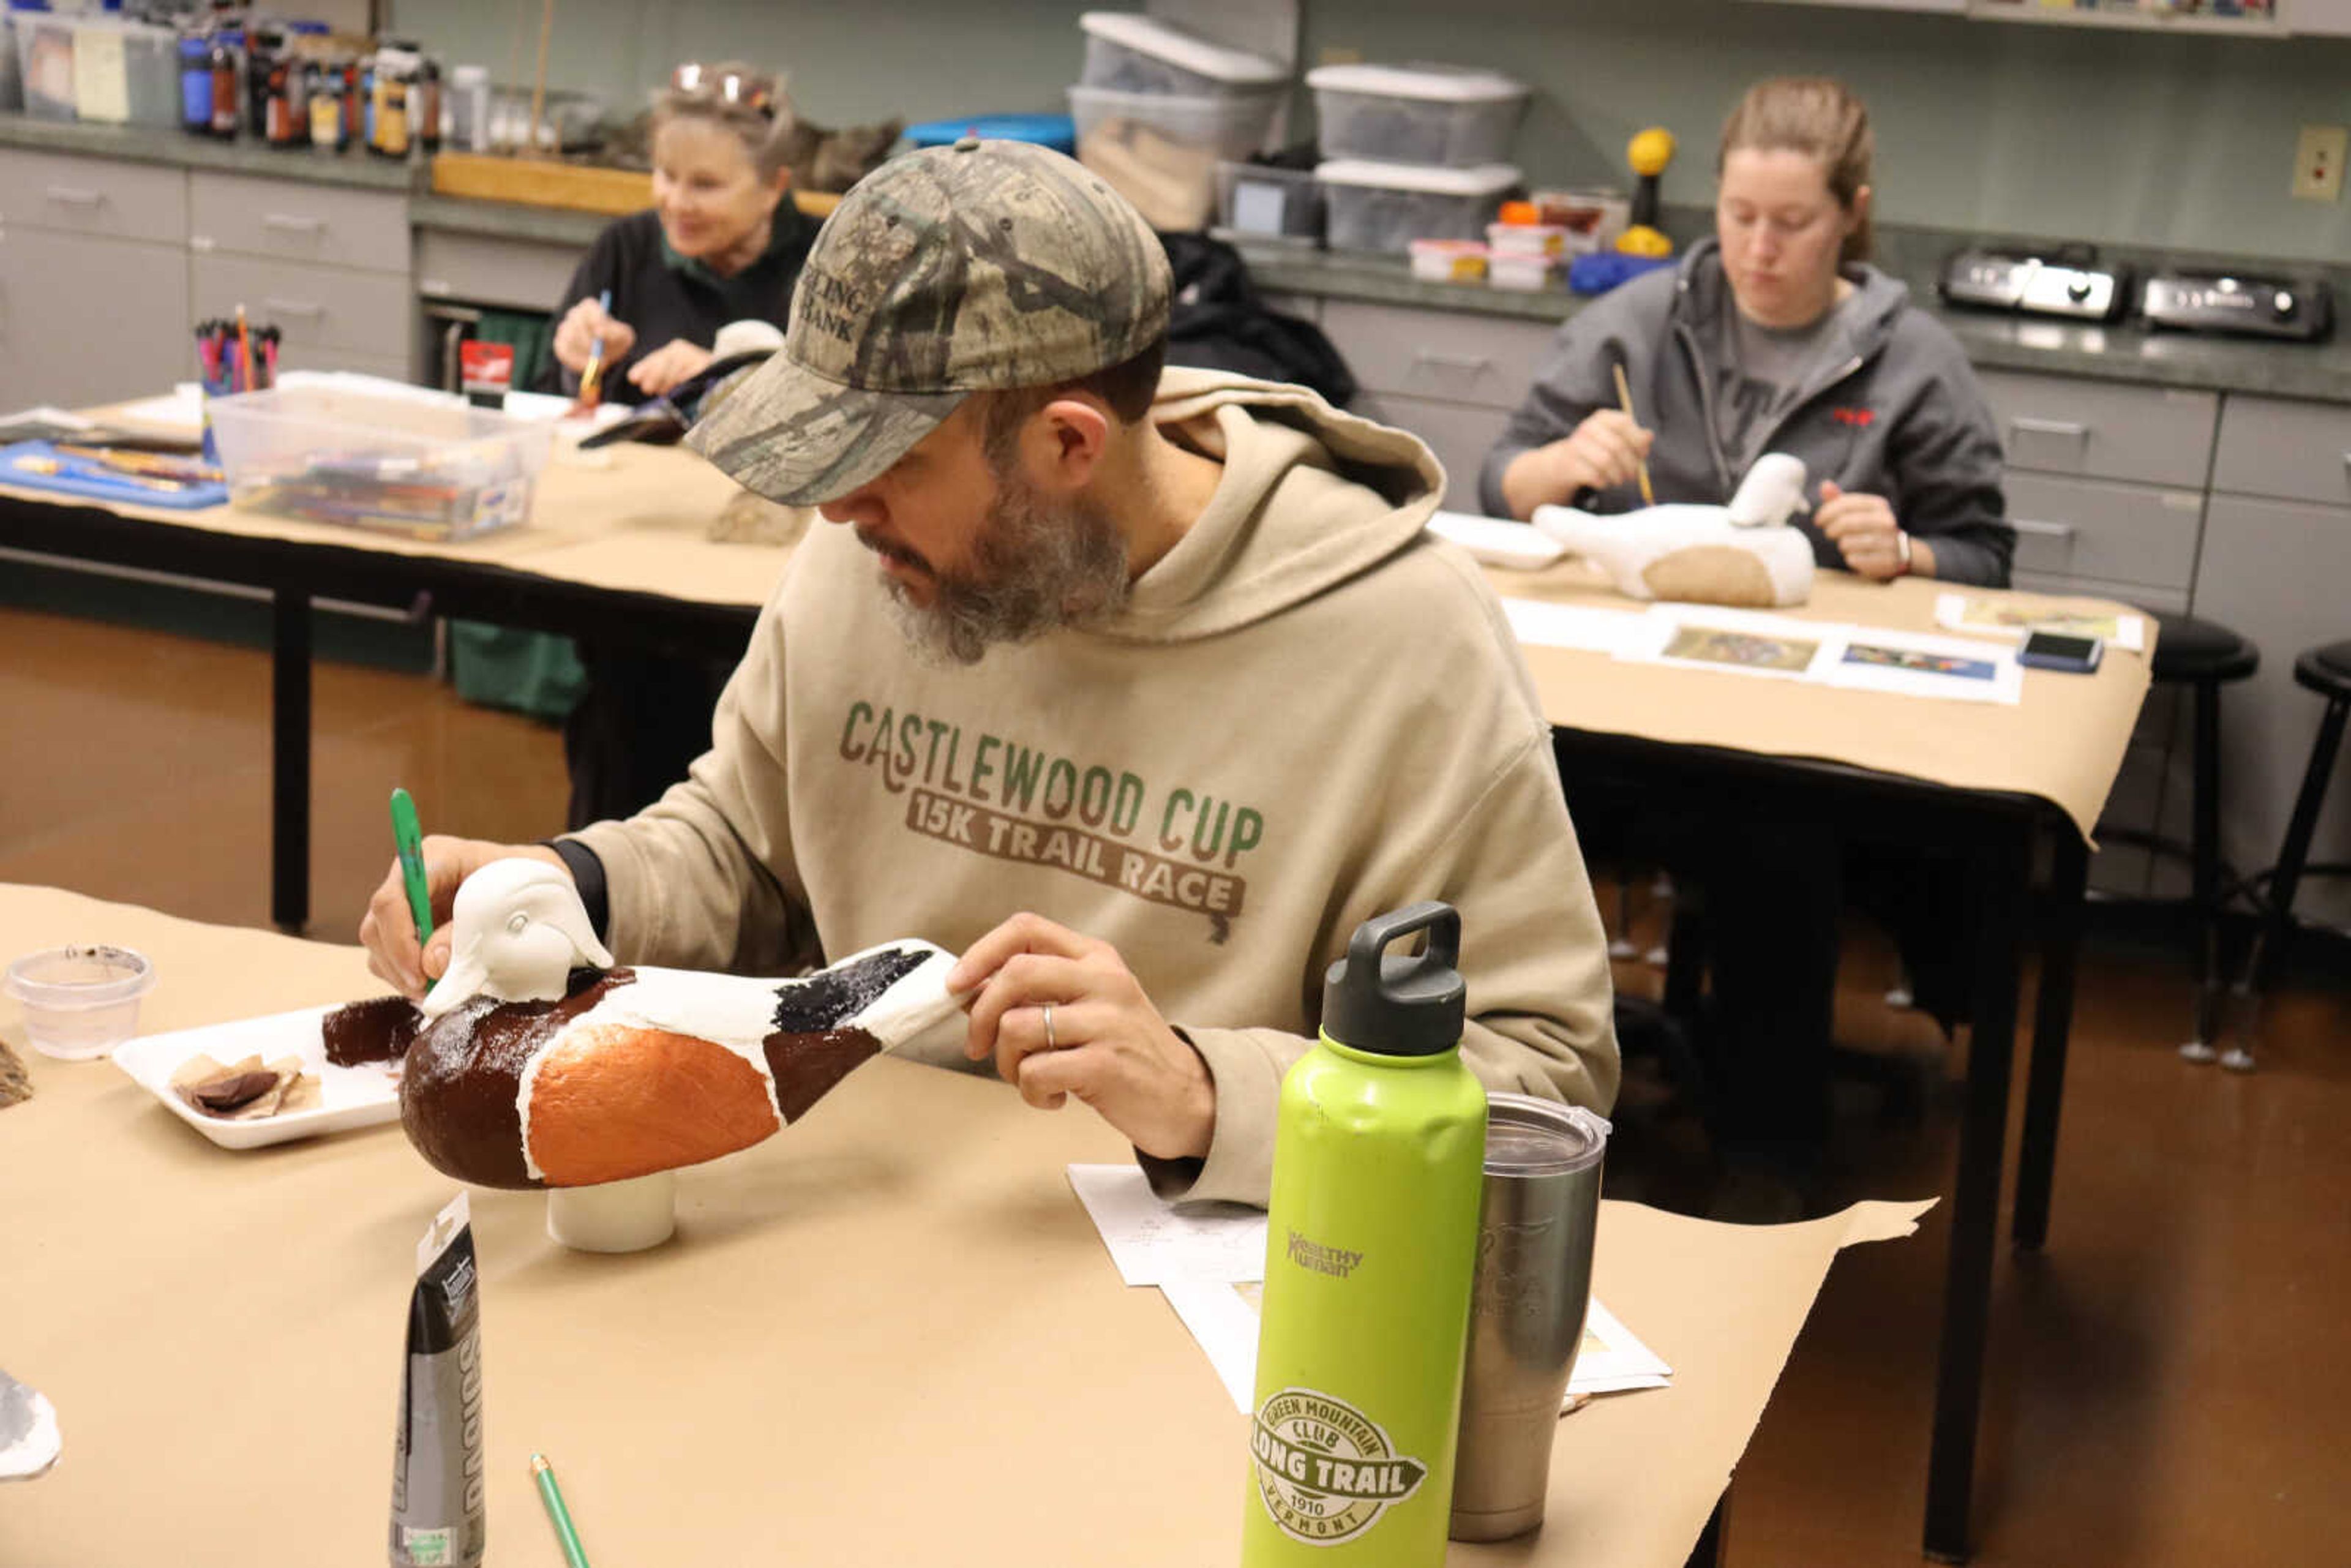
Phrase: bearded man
(1138, 689)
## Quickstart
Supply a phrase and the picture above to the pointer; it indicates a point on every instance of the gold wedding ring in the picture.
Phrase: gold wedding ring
(1050, 1043)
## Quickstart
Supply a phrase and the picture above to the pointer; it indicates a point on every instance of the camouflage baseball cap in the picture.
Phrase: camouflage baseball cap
(981, 266)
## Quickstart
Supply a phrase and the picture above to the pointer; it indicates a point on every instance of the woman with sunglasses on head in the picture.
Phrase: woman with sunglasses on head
(721, 242)
(1777, 335)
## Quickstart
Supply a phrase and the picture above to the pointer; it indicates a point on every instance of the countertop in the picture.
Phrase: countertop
(2121, 353)
(155, 144)
(1993, 341)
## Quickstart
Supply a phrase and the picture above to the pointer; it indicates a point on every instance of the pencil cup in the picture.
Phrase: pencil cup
(1526, 1309)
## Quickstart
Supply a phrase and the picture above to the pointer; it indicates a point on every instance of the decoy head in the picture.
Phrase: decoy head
(520, 930)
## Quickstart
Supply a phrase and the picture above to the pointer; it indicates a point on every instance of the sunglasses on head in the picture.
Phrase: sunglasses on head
(729, 86)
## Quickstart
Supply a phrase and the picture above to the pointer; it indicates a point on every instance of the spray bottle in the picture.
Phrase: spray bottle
(1371, 1246)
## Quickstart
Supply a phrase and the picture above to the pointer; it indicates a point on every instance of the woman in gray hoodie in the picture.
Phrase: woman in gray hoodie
(1776, 336)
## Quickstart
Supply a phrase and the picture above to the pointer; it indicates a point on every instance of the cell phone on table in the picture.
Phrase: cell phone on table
(2062, 651)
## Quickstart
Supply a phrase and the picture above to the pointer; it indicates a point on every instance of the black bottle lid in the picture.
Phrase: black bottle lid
(1398, 1005)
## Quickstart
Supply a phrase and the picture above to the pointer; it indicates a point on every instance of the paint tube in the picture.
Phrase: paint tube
(437, 1482)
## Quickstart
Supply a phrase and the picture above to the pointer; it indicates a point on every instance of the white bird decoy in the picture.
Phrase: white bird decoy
(1742, 554)
(540, 1064)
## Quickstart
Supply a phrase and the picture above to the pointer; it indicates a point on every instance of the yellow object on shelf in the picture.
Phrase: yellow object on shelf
(1650, 152)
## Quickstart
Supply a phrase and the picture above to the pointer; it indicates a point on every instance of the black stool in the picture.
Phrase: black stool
(2326, 670)
(2203, 656)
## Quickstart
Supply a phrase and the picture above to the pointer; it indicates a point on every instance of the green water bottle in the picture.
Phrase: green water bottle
(1372, 1240)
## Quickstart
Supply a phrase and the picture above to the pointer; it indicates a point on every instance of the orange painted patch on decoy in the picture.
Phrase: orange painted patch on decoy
(618, 1100)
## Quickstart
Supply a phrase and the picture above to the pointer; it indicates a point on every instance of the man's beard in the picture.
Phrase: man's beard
(1037, 568)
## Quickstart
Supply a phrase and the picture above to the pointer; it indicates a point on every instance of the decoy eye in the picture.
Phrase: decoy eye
(515, 923)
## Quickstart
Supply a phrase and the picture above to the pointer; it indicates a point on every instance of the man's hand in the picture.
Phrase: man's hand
(1864, 530)
(673, 362)
(388, 929)
(1606, 449)
(575, 336)
(1064, 1015)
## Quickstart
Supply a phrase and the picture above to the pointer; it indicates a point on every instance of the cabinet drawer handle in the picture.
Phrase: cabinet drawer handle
(292, 224)
(2071, 429)
(2042, 530)
(76, 195)
(295, 306)
(1473, 363)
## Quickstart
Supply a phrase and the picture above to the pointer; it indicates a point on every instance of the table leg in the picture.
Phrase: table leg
(2044, 1091)
(2005, 869)
(1714, 1540)
(290, 762)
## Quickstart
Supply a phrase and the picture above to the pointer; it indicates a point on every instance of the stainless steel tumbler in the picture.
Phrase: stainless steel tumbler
(1526, 1312)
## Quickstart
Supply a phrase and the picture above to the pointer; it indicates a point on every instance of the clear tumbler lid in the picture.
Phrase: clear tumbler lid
(1526, 1136)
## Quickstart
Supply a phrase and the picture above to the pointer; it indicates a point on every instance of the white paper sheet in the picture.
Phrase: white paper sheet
(1732, 641)
(1222, 1317)
(1545, 625)
(181, 412)
(1920, 665)
(1827, 653)
(1208, 1260)
(2012, 618)
(1152, 1242)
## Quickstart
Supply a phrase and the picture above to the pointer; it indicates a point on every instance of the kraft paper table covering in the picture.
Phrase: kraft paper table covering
(889, 1334)
(2063, 744)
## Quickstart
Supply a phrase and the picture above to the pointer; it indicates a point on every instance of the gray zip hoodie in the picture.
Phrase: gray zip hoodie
(1893, 411)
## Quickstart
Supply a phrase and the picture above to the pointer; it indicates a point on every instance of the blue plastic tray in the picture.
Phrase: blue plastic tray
(79, 476)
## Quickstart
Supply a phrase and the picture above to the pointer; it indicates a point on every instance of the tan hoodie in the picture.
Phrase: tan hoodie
(1311, 713)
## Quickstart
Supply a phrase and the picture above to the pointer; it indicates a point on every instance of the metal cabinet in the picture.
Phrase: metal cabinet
(2107, 430)
(488, 269)
(87, 320)
(1448, 377)
(2282, 448)
(2277, 571)
(98, 197)
(329, 265)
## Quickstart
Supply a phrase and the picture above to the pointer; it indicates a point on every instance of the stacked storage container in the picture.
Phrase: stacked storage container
(1158, 108)
(1413, 152)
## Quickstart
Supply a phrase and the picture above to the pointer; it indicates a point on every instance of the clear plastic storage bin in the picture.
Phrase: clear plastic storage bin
(1161, 152)
(125, 73)
(1418, 114)
(1387, 206)
(45, 49)
(426, 465)
(1257, 199)
(1128, 53)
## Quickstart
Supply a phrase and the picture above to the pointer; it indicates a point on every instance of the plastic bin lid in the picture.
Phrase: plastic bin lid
(1189, 51)
(1055, 131)
(1485, 180)
(1438, 84)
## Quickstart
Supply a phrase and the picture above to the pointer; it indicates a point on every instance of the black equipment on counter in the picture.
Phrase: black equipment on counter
(2068, 284)
(2299, 309)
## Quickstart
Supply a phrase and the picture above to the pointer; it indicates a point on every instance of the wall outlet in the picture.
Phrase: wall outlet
(2318, 162)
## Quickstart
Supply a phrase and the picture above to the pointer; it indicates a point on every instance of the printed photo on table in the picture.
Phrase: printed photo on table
(1708, 646)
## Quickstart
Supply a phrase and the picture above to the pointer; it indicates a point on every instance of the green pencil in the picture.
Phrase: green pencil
(409, 839)
(552, 1495)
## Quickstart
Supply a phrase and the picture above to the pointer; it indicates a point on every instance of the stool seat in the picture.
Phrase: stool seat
(2189, 651)
(2327, 669)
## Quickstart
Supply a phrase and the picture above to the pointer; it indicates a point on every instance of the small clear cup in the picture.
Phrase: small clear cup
(81, 1002)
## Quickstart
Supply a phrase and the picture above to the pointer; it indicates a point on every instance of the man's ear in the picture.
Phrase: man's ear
(1064, 443)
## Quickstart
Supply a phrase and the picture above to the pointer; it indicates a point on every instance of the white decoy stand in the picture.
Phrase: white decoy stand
(614, 1216)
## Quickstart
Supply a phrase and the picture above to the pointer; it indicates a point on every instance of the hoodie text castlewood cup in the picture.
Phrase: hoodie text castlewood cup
(1309, 714)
